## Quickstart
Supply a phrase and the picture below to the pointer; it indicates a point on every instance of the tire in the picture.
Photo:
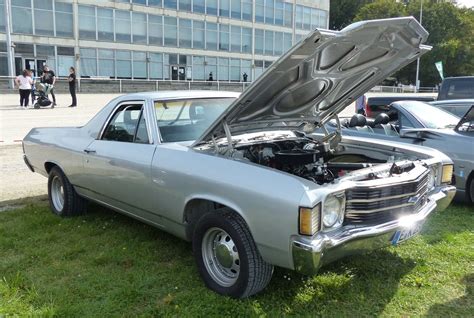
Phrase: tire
(470, 188)
(227, 257)
(36, 105)
(63, 199)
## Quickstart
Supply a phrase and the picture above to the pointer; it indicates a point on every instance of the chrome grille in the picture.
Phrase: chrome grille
(376, 205)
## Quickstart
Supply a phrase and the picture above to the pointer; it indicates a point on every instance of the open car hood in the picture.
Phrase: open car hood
(322, 74)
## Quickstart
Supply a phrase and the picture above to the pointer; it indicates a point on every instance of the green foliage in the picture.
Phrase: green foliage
(104, 264)
(451, 34)
(342, 12)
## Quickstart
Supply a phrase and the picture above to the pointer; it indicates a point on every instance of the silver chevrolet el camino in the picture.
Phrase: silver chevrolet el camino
(244, 177)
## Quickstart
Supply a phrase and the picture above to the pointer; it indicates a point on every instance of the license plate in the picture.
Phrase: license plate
(406, 233)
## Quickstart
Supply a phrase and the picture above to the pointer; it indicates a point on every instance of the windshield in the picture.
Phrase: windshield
(430, 116)
(187, 119)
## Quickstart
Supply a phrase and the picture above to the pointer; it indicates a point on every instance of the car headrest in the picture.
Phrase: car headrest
(382, 119)
(358, 120)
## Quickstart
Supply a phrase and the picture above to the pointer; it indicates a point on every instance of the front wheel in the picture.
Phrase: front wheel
(36, 105)
(227, 257)
(63, 199)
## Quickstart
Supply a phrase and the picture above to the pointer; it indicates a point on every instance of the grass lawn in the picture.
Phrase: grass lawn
(105, 264)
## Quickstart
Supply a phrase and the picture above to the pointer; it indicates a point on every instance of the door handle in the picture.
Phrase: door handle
(89, 151)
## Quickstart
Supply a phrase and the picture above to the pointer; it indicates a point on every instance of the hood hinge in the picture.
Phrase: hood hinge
(228, 135)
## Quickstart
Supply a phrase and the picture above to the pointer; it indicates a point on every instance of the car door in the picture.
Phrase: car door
(118, 163)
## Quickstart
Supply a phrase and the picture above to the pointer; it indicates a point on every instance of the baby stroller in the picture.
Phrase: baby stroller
(42, 91)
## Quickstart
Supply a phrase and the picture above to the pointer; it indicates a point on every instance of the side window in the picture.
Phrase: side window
(124, 125)
(404, 122)
(142, 133)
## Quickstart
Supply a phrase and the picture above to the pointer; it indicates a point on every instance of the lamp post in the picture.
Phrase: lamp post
(10, 46)
(417, 81)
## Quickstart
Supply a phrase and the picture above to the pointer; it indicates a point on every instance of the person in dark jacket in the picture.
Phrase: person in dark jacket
(72, 86)
(49, 78)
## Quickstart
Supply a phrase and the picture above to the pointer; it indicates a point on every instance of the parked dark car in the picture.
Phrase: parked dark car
(379, 104)
(420, 123)
(456, 88)
(458, 107)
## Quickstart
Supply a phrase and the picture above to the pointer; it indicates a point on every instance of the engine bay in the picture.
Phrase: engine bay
(303, 157)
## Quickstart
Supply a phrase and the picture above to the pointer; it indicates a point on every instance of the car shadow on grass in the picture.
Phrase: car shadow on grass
(357, 285)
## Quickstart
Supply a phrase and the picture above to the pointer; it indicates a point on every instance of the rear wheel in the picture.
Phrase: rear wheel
(470, 188)
(63, 199)
(36, 105)
(227, 256)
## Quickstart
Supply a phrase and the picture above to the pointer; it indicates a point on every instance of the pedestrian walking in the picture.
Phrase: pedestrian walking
(49, 78)
(24, 82)
(245, 76)
(72, 86)
(360, 105)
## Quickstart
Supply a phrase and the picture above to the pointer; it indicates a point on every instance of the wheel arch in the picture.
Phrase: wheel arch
(48, 165)
(470, 178)
(197, 206)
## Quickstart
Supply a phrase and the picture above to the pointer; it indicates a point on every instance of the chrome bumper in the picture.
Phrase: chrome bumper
(310, 253)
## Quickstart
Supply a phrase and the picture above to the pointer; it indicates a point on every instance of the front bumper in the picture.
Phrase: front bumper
(310, 253)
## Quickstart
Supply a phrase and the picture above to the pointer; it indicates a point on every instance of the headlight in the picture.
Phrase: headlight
(432, 178)
(309, 220)
(333, 210)
(447, 174)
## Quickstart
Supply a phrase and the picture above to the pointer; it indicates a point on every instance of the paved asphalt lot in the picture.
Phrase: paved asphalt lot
(16, 180)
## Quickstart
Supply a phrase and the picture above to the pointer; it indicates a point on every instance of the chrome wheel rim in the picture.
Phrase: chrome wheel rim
(220, 256)
(57, 193)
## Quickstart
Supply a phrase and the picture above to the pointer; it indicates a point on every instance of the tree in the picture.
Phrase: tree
(343, 12)
(381, 9)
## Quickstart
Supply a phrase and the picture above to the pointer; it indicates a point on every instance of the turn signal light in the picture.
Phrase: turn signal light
(447, 175)
(309, 220)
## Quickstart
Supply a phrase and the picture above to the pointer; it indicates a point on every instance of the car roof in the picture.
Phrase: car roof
(181, 94)
(454, 101)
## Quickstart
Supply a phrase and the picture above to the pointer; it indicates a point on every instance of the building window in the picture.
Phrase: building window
(287, 41)
(139, 28)
(323, 19)
(87, 23)
(105, 24)
(258, 68)
(299, 17)
(155, 3)
(199, 6)
(185, 33)
(260, 11)
(44, 21)
(223, 69)
(2, 26)
(246, 69)
(88, 62)
(236, 11)
(279, 12)
(235, 70)
(223, 37)
(122, 26)
(139, 65)
(278, 49)
(65, 60)
(198, 68)
(235, 38)
(268, 42)
(171, 4)
(198, 34)
(142, 2)
(247, 8)
(156, 65)
(185, 5)
(124, 64)
(106, 63)
(211, 7)
(21, 16)
(211, 66)
(170, 32)
(269, 11)
(246, 40)
(155, 30)
(224, 8)
(64, 19)
(211, 36)
(288, 20)
(259, 41)
(307, 18)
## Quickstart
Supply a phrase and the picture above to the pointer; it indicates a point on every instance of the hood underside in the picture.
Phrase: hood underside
(321, 75)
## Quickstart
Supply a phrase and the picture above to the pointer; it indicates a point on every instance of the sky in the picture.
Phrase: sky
(466, 3)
